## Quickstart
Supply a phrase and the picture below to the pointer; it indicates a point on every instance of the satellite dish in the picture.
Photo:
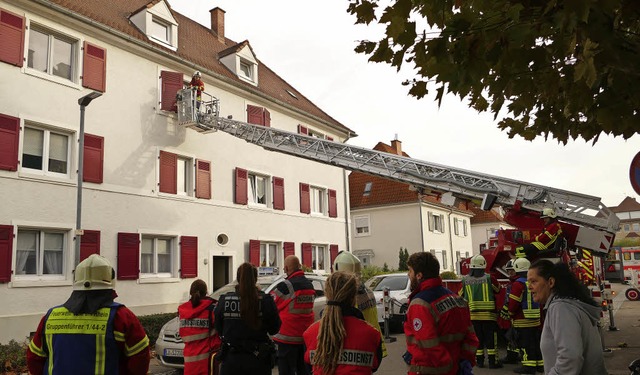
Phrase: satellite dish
(634, 173)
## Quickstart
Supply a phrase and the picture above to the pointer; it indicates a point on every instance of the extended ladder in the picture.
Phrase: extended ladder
(573, 207)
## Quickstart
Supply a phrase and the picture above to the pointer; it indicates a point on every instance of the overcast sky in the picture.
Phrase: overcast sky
(310, 43)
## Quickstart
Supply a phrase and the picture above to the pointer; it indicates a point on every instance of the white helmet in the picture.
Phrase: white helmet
(94, 273)
(478, 262)
(548, 212)
(345, 261)
(197, 73)
(521, 265)
(509, 265)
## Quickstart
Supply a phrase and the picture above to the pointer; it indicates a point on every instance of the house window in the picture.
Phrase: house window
(160, 31)
(46, 151)
(268, 254)
(51, 53)
(317, 196)
(441, 255)
(40, 252)
(156, 256)
(246, 69)
(316, 134)
(627, 227)
(362, 225)
(317, 257)
(367, 189)
(176, 175)
(257, 189)
(464, 228)
(184, 176)
(436, 222)
(636, 227)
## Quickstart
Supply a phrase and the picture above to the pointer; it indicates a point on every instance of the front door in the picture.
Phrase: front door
(221, 271)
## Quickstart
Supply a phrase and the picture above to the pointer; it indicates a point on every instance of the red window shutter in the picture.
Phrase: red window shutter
(188, 257)
(6, 251)
(203, 179)
(333, 204)
(92, 169)
(12, 37)
(278, 193)
(303, 130)
(9, 136)
(128, 256)
(289, 249)
(94, 67)
(306, 254)
(254, 252)
(241, 196)
(89, 243)
(168, 172)
(329, 138)
(305, 199)
(255, 115)
(267, 118)
(333, 253)
(171, 83)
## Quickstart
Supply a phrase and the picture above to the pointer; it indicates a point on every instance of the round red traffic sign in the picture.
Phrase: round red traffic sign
(634, 173)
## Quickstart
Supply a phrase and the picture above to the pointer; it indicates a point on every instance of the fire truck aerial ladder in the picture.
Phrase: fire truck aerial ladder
(587, 223)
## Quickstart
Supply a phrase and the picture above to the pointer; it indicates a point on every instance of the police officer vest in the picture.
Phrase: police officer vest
(530, 308)
(81, 344)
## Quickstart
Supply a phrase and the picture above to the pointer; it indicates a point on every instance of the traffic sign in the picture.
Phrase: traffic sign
(634, 173)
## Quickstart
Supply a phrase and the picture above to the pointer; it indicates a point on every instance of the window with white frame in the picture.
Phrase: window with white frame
(268, 254)
(184, 176)
(257, 189)
(367, 189)
(52, 53)
(316, 134)
(246, 69)
(45, 151)
(460, 227)
(318, 257)
(362, 226)
(157, 256)
(441, 255)
(160, 30)
(436, 222)
(41, 252)
(627, 227)
(636, 227)
(318, 200)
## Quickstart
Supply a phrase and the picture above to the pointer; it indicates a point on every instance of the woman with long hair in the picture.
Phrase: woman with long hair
(570, 341)
(201, 340)
(342, 342)
(245, 318)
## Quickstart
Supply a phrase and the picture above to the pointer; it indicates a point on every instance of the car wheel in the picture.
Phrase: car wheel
(632, 294)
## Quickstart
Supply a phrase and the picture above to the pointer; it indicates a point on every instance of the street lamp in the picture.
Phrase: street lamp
(83, 102)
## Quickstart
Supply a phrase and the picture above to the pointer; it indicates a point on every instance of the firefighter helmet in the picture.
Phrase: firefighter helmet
(94, 273)
(345, 261)
(197, 73)
(521, 265)
(478, 262)
(548, 212)
(509, 265)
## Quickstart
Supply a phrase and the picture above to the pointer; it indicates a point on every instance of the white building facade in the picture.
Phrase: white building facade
(163, 203)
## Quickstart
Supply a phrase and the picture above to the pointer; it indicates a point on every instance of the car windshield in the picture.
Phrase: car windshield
(392, 282)
(263, 283)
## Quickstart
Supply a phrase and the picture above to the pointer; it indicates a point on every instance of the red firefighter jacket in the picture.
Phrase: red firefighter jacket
(294, 298)
(362, 347)
(130, 339)
(548, 236)
(517, 295)
(200, 338)
(438, 330)
(199, 85)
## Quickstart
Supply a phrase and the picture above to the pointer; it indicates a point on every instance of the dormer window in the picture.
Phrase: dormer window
(241, 60)
(246, 69)
(157, 23)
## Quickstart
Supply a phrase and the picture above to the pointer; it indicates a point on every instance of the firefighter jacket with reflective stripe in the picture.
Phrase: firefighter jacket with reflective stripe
(480, 294)
(234, 331)
(366, 303)
(438, 330)
(198, 85)
(362, 348)
(522, 309)
(548, 237)
(199, 336)
(109, 341)
(294, 298)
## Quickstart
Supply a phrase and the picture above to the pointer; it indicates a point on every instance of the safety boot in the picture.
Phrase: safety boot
(493, 363)
(511, 358)
(480, 361)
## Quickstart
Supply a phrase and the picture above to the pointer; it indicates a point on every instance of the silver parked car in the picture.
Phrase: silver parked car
(169, 346)
(399, 290)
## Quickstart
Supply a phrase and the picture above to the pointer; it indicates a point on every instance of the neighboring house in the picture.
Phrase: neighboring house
(628, 211)
(387, 215)
(484, 227)
(163, 203)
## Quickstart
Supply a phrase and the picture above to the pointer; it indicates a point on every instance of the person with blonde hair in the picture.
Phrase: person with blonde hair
(342, 342)
(245, 318)
(201, 341)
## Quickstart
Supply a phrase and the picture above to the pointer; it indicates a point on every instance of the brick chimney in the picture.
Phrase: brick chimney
(397, 146)
(217, 23)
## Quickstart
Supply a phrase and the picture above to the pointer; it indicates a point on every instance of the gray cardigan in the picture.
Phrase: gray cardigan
(570, 342)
